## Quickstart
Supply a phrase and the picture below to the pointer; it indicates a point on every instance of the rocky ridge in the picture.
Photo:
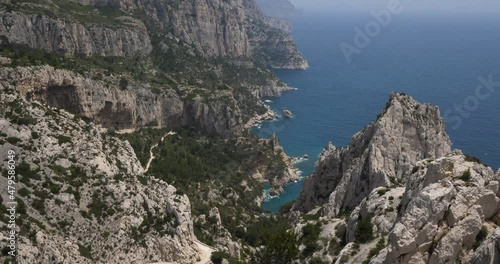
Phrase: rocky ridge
(404, 133)
(120, 109)
(85, 196)
(441, 207)
(215, 28)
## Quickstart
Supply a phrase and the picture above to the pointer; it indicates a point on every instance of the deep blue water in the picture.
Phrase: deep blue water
(436, 58)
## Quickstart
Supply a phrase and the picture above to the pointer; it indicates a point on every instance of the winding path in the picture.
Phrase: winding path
(205, 253)
(204, 250)
(151, 156)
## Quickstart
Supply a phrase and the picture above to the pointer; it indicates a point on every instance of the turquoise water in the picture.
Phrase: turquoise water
(434, 58)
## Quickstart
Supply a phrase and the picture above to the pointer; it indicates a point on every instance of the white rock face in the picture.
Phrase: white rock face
(115, 108)
(379, 155)
(446, 204)
(489, 251)
(222, 238)
(85, 194)
(430, 205)
(382, 208)
(214, 28)
(43, 32)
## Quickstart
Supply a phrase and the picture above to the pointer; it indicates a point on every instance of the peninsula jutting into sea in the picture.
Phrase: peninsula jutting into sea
(166, 131)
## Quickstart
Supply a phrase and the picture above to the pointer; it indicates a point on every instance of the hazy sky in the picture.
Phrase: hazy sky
(415, 5)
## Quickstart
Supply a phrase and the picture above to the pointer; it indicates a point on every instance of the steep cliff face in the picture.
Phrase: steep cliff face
(85, 196)
(193, 61)
(424, 202)
(128, 39)
(214, 28)
(274, 47)
(124, 108)
(404, 133)
(278, 8)
(281, 24)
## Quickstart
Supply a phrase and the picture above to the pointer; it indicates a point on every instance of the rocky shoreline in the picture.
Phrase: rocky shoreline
(291, 173)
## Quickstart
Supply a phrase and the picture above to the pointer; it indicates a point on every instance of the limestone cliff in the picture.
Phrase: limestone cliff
(404, 133)
(447, 212)
(278, 8)
(196, 64)
(129, 39)
(437, 205)
(116, 28)
(123, 109)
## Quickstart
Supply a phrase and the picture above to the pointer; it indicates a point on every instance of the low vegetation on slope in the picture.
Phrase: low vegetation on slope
(213, 173)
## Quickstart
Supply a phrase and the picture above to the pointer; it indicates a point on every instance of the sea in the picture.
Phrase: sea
(451, 60)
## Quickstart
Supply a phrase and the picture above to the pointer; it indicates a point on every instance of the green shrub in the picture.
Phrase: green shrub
(63, 139)
(280, 248)
(34, 135)
(24, 169)
(218, 256)
(382, 191)
(466, 176)
(310, 234)
(13, 140)
(364, 230)
(311, 217)
(23, 192)
(374, 251)
(85, 251)
(97, 207)
(63, 224)
(471, 158)
(21, 207)
(53, 187)
(123, 83)
(480, 237)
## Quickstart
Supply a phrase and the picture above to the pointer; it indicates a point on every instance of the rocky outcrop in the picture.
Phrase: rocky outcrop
(222, 238)
(380, 155)
(275, 47)
(42, 32)
(86, 198)
(489, 251)
(281, 24)
(290, 174)
(123, 108)
(437, 206)
(381, 206)
(448, 202)
(278, 8)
